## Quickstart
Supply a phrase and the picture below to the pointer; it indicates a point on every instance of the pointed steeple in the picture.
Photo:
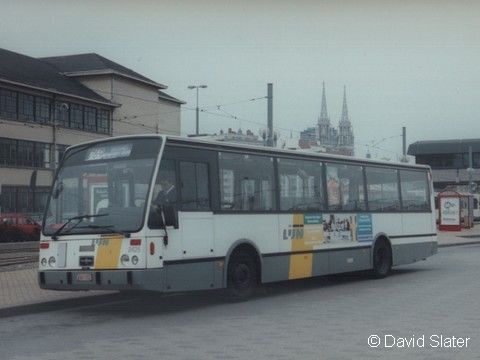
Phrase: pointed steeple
(344, 117)
(323, 112)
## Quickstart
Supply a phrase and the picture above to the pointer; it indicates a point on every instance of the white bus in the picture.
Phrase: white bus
(174, 214)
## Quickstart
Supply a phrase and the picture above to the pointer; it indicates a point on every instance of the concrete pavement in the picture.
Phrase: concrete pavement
(20, 288)
(324, 318)
(18, 284)
(464, 237)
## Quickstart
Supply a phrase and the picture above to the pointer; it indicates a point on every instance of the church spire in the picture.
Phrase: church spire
(323, 112)
(344, 117)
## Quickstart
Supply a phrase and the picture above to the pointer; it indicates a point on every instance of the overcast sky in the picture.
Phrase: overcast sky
(405, 63)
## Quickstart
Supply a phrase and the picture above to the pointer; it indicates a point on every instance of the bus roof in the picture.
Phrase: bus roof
(218, 145)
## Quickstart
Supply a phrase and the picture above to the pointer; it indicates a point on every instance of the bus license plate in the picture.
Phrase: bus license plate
(84, 277)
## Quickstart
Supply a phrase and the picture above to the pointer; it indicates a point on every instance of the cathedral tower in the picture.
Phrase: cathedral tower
(345, 138)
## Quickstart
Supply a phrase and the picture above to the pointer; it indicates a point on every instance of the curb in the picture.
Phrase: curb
(463, 243)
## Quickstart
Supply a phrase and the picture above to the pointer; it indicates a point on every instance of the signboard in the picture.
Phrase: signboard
(109, 151)
(450, 211)
(364, 227)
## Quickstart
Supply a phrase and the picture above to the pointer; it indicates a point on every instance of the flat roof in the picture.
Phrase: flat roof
(443, 146)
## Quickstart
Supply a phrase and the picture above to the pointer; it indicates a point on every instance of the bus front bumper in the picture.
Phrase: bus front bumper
(151, 279)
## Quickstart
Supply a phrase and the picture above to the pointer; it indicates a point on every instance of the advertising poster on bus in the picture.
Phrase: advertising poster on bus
(339, 227)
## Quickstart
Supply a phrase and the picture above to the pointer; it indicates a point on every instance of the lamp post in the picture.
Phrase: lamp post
(191, 87)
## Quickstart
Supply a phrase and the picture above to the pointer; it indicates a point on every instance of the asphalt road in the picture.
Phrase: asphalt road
(330, 317)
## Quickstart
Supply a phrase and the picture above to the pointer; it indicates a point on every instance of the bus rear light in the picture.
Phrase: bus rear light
(152, 248)
(135, 242)
(44, 245)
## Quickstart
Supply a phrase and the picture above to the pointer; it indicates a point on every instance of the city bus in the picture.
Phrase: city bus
(173, 214)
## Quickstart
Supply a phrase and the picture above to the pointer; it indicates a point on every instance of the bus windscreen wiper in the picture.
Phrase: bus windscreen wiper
(78, 217)
(110, 229)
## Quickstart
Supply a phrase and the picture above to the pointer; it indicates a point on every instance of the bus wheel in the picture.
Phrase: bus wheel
(241, 277)
(382, 259)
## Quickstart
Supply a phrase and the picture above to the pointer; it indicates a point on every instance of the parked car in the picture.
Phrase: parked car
(18, 227)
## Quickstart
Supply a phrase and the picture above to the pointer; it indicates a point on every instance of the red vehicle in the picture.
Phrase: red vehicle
(18, 227)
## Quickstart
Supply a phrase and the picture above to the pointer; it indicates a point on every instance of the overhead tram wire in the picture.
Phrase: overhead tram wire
(156, 102)
(227, 115)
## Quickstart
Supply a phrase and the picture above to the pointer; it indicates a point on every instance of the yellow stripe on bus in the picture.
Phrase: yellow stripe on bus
(108, 252)
(300, 264)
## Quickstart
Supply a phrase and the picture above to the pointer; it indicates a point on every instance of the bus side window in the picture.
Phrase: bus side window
(194, 186)
(246, 182)
(164, 192)
(301, 185)
(414, 187)
(345, 187)
(383, 190)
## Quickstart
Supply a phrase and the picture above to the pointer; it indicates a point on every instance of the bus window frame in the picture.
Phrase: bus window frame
(214, 173)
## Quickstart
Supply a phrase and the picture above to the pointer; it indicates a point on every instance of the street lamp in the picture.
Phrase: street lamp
(191, 87)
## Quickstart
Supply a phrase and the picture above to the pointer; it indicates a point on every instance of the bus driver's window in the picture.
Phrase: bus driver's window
(164, 190)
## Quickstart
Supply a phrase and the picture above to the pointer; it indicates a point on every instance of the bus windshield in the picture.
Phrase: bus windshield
(102, 187)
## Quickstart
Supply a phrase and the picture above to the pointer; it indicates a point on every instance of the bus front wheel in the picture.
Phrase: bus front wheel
(382, 259)
(241, 277)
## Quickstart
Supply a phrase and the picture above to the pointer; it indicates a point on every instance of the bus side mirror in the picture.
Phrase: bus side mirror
(170, 216)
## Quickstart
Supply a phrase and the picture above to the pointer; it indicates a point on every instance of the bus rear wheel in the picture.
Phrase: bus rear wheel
(242, 277)
(382, 259)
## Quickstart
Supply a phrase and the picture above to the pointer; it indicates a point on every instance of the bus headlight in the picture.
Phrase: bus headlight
(134, 259)
(52, 262)
(43, 262)
(124, 259)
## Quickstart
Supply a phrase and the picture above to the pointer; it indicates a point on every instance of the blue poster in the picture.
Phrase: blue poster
(364, 227)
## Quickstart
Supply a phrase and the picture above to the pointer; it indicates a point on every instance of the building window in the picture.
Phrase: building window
(41, 155)
(246, 182)
(76, 116)
(90, 119)
(8, 104)
(42, 110)
(25, 153)
(103, 122)
(383, 191)
(62, 114)
(345, 187)
(8, 152)
(21, 199)
(25, 107)
(301, 185)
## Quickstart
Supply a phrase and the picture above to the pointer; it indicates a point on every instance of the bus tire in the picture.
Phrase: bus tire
(242, 279)
(382, 259)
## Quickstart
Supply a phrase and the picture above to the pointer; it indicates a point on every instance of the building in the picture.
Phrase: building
(240, 137)
(47, 104)
(449, 160)
(338, 140)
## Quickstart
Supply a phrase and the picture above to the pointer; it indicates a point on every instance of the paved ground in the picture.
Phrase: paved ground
(18, 287)
(466, 236)
(316, 319)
